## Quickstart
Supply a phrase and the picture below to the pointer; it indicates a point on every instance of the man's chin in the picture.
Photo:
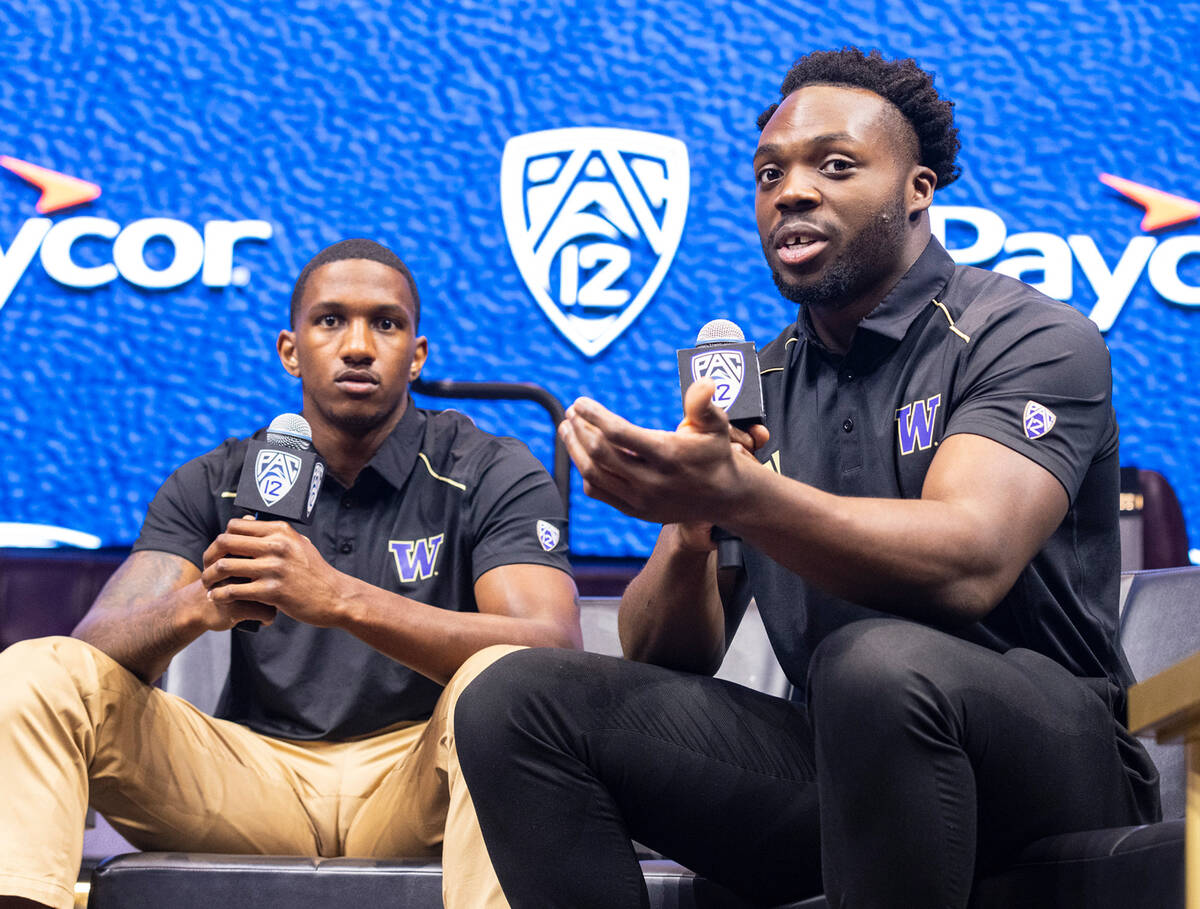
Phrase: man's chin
(823, 293)
(359, 422)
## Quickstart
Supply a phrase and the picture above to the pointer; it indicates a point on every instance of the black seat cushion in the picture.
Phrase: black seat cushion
(1117, 868)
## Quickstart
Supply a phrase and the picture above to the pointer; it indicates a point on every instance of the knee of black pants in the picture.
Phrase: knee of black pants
(505, 704)
(879, 675)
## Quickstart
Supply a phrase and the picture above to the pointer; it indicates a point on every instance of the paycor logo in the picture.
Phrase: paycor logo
(1053, 257)
(209, 254)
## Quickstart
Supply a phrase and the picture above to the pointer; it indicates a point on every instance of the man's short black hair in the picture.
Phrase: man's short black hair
(355, 248)
(901, 82)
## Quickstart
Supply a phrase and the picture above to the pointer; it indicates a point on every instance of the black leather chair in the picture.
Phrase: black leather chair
(1121, 868)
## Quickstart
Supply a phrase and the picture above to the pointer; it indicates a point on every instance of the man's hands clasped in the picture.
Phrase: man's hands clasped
(257, 567)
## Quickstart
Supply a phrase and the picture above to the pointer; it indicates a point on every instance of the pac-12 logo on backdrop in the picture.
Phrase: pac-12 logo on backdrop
(593, 217)
(726, 368)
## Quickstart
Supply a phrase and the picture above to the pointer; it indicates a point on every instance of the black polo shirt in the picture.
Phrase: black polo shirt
(438, 505)
(955, 350)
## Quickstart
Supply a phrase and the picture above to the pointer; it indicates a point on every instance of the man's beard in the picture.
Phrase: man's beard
(868, 256)
(358, 422)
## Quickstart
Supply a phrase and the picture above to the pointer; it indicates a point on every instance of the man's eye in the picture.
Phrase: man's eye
(386, 324)
(838, 165)
(769, 175)
(329, 321)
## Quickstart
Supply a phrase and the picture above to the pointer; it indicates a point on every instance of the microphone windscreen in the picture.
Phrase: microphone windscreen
(290, 430)
(719, 331)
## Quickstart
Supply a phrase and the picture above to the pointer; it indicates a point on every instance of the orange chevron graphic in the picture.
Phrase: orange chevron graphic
(58, 190)
(1162, 209)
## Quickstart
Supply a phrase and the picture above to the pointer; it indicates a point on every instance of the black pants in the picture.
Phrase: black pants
(926, 760)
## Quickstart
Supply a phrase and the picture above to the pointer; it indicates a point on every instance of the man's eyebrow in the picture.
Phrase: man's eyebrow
(771, 149)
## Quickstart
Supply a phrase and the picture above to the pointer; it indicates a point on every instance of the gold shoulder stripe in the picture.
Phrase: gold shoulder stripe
(778, 368)
(446, 480)
(229, 495)
(946, 313)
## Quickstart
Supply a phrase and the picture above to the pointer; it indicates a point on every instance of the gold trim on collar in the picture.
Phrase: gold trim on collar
(447, 480)
(938, 303)
(763, 372)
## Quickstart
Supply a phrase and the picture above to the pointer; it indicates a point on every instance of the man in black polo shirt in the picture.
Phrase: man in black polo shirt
(430, 542)
(930, 533)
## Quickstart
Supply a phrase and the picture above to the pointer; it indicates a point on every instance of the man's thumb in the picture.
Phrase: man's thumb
(699, 411)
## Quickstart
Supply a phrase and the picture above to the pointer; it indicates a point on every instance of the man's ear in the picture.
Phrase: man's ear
(420, 355)
(286, 345)
(921, 184)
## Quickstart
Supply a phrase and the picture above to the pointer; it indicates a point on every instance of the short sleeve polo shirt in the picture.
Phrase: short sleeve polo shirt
(438, 505)
(955, 350)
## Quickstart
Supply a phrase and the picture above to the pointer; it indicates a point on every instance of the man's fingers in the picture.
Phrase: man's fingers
(248, 538)
(699, 411)
(249, 526)
(751, 439)
(599, 481)
(250, 610)
(760, 434)
(587, 416)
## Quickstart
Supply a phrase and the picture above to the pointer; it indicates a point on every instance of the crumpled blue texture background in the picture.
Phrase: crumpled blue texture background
(335, 119)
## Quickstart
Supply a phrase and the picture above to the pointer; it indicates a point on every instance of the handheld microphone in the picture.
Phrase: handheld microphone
(723, 354)
(280, 477)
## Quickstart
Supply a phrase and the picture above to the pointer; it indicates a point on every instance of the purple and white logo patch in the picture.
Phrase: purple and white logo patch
(1038, 420)
(547, 535)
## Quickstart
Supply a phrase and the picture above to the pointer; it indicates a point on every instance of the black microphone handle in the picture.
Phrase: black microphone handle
(729, 549)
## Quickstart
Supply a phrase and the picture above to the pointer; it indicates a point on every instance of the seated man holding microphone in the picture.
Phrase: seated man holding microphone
(429, 542)
(929, 526)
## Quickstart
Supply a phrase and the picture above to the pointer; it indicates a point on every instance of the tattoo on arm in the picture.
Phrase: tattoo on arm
(144, 576)
(133, 619)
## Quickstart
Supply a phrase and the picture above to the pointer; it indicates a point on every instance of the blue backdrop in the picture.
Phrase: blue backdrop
(317, 121)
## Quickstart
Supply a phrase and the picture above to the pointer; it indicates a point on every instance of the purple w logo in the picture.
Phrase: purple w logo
(416, 559)
(915, 424)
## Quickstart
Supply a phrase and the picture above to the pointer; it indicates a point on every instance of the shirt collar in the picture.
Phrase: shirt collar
(891, 319)
(395, 458)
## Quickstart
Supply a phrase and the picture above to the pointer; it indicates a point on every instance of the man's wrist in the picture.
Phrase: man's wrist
(739, 501)
(194, 612)
(348, 606)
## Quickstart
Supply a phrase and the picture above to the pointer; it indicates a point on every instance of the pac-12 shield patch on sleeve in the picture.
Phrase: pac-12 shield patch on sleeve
(1038, 420)
(547, 535)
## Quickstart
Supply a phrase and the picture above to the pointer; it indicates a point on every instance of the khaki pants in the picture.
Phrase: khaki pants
(75, 726)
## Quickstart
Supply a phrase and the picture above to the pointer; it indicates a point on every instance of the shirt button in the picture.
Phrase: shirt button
(347, 503)
(848, 425)
(347, 547)
(847, 377)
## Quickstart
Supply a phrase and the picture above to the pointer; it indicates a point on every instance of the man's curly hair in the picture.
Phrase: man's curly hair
(901, 82)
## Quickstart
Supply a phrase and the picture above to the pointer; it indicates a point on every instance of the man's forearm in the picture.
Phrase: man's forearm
(671, 613)
(947, 557)
(436, 642)
(890, 554)
(142, 629)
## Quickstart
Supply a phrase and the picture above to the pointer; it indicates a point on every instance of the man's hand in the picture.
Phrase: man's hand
(687, 476)
(257, 567)
(698, 535)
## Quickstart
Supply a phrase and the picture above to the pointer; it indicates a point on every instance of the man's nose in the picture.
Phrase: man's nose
(358, 342)
(797, 189)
